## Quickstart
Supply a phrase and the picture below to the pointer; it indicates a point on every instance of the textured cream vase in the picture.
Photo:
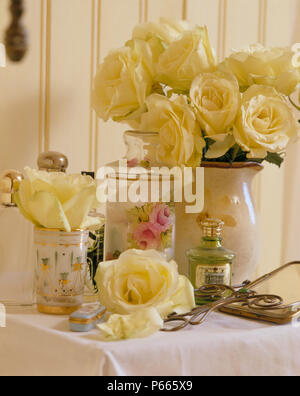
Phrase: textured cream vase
(228, 196)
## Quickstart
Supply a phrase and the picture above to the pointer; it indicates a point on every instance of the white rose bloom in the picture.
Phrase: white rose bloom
(56, 200)
(167, 30)
(181, 141)
(216, 98)
(122, 83)
(141, 280)
(157, 36)
(266, 122)
(264, 66)
(188, 56)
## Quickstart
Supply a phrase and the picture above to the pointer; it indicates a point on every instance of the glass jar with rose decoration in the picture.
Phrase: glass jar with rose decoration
(139, 221)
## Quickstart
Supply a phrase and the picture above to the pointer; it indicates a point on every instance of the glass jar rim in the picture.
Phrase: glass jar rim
(53, 230)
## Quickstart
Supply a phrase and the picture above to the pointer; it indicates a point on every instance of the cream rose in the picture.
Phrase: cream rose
(266, 122)
(181, 141)
(140, 280)
(265, 66)
(155, 37)
(122, 83)
(167, 30)
(185, 58)
(147, 54)
(56, 200)
(216, 98)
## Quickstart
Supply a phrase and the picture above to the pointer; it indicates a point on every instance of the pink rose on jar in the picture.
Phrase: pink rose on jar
(132, 163)
(161, 216)
(147, 236)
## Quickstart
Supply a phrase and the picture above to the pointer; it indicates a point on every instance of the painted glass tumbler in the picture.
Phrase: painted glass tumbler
(61, 259)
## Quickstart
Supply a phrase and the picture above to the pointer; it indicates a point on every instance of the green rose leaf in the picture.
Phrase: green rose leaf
(274, 158)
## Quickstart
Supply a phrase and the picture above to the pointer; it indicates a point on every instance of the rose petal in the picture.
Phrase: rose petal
(92, 223)
(79, 206)
(140, 324)
(182, 301)
(221, 147)
(27, 215)
(46, 209)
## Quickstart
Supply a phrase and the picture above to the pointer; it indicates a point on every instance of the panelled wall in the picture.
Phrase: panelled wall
(45, 101)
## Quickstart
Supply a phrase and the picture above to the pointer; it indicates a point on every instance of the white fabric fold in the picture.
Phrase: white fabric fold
(34, 344)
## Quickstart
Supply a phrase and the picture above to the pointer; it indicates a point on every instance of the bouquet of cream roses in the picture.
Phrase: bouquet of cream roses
(166, 79)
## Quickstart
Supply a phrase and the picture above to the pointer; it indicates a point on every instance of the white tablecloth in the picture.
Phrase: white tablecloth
(35, 344)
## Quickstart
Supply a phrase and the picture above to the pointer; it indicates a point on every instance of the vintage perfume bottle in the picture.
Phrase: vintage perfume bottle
(16, 252)
(210, 263)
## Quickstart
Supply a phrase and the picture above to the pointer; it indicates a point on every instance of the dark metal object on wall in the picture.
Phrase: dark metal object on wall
(16, 38)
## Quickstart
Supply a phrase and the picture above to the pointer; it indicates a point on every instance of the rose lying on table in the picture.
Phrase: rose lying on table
(140, 289)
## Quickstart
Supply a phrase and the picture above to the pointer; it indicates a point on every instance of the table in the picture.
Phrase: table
(36, 344)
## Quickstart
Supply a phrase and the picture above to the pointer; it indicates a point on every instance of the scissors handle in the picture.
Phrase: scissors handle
(200, 316)
(184, 322)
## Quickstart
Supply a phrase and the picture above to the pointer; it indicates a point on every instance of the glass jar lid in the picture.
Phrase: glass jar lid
(53, 161)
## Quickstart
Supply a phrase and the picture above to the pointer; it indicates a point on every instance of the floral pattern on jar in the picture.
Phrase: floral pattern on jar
(151, 227)
(148, 226)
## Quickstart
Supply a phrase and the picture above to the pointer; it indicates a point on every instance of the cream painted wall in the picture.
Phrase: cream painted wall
(44, 101)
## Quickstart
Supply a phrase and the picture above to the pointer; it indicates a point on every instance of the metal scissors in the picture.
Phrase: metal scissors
(224, 295)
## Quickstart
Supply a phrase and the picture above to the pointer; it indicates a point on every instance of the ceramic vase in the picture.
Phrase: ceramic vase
(228, 197)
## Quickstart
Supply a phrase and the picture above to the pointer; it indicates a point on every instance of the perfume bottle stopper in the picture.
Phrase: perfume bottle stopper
(53, 161)
(212, 228)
